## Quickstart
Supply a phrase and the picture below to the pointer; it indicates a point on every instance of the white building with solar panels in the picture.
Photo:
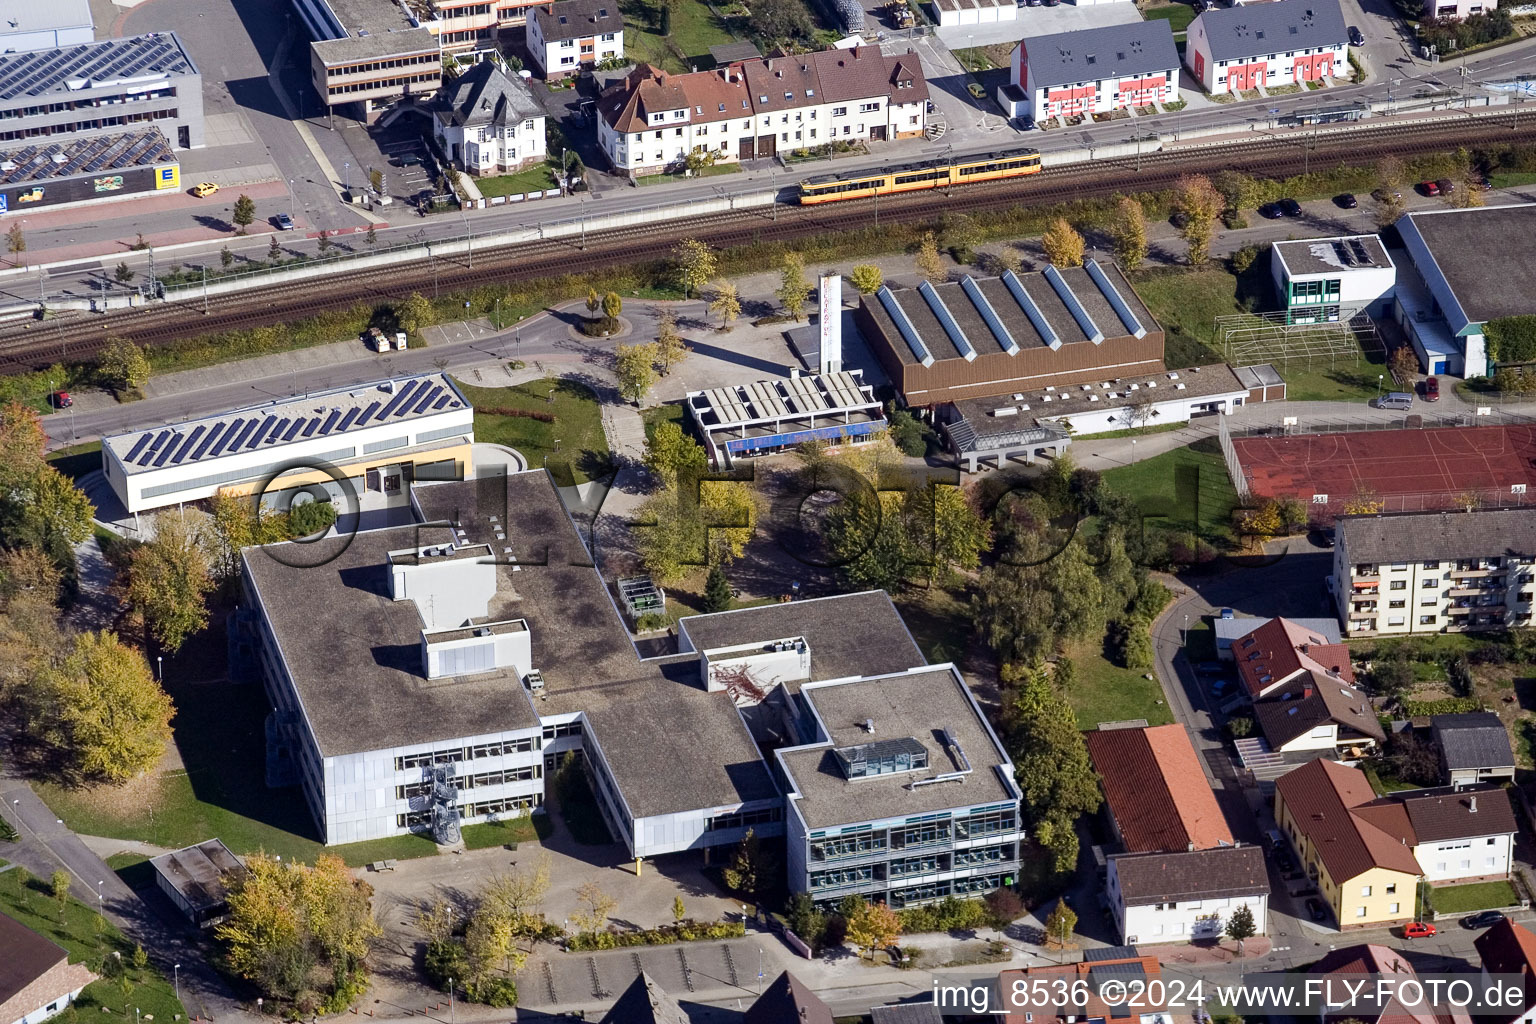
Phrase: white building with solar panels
(379, 435)
(772, 415)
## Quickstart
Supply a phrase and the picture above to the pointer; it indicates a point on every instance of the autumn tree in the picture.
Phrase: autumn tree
(594, 302)
(612, 305)
(1063, 246)
(1052, 767)
(299, 934)
(15, 243)
(672, 455)
(46, 510)
(1060, 924)
(725, 304)
(244, 213)
(670, 347)
(635, 367)
(58, 887)
(679, 910)
(595, 906)
(1198, 204)
(873, 926)
(170, 577)
(794, 289)
(415, 314)
(104, 711)
(23, 441)
(27, 573)
(867, 278)
(122, 365)
(1364, 503)
(235, 522)
(929, 263)
(751, 869)
(683, 526)
(1391, 174)
(1130, 233)
(883, 539)
(695, 263)
(1388, 209)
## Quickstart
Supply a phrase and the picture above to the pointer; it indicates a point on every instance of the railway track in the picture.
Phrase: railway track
(33, 345)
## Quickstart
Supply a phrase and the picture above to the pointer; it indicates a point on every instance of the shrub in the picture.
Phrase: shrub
(1005, 906)
(527, 414)
(1443, 706)
(1240, 726)
(683, 931)
(949, 914)
(1244, 258)
(907, 433)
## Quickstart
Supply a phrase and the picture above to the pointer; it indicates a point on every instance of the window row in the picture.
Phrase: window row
(422, 759)
(742, 819)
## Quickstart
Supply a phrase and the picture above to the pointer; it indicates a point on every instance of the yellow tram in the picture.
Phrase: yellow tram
(827, 188)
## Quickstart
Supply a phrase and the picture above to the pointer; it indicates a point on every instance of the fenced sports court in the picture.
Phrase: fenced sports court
(1406, 469)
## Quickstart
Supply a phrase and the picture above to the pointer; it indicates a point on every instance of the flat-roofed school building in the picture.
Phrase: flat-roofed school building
(771, 415)
(369, 52)
(379, 433)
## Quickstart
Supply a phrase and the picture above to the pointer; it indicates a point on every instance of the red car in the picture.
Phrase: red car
(1431, 389)
(1429, 188)
(63, 400)
(1418, 930)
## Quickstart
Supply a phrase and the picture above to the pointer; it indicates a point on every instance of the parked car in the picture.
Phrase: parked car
(1431, 389)
(204, 190)
(283, 222)
(1483, 919)
(1418, 930)
(1445, 185)
(1317, 909)
(1290, 208)
(1429, 188)
(1356, 37)
(1270, 211)
(1382, 194)
(63, 400)
(1346, 201)
(1284, 861)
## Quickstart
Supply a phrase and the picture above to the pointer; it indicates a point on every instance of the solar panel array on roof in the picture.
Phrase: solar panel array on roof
(73, 156)
(994, 322)
(212, 435)
(186, 446)
(330, 421)
(941, 313)
(138, 446)
(1042, 325)
(1098, 953)
(1116, 301)
(228, 438)
(1074, 305)
(35, 72)
(346, 421)
(904, 325)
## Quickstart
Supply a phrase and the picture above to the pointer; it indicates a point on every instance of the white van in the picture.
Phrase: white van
(1395, 400)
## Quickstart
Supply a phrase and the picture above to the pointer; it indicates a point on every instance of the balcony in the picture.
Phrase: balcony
(1478, 573)
(1459, 610)
(1364, 594)
(1362, 608)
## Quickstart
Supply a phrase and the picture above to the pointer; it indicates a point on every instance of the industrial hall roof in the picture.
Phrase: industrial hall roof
(1009, 314)
(1462, 243)
(1438, 536)
(1094, 54)
(1156, 789)
(133, 60)
(1287, 25)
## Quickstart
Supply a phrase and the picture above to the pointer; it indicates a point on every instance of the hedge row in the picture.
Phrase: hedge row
(1443, 706)
(530, 414)
(686, 931)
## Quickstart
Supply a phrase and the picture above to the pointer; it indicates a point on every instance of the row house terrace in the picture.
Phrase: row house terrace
(652, 121)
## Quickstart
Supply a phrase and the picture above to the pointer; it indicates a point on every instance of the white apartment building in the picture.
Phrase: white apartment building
(1435, 572)
(569, 35)
(376, 435)
(902, 794)
(1232, 49)
(489, 123)
(1096, 70)
(1461, 835)
(652, 121)
(1326, 279)
(1186, 896)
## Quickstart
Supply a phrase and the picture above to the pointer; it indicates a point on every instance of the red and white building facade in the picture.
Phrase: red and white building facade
(1233, 49)
(1095, 71)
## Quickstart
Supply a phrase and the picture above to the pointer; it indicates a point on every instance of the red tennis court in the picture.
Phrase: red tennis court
(1446, 461)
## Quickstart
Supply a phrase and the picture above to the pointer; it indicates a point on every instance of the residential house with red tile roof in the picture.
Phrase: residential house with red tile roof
(1280, 652)
(1122, 965)
(1368, 853)
(1510, 948)
(1181, 875)
(652, 121)
(1372, 961)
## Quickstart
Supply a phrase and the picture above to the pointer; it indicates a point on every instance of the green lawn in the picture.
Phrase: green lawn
(1187, 488)
(531, 179)
(1509, 179)
(1346, 380)
(77, 460)
(90, 938)
(524, 829)
(1105, 692)
(703, 172)
(694, 30)
(656, 415)
(582, 452)
(221, 792)
(1177, 15)
(1186, 303)
(1464, 899)
(1106, 435)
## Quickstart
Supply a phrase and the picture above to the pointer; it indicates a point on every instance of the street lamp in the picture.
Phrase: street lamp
(450, 1002)
(1379, 377)
(176, 979)
(1133, 451)
(159, 669)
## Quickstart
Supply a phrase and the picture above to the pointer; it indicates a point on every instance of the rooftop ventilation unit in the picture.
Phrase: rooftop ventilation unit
(534, 680)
